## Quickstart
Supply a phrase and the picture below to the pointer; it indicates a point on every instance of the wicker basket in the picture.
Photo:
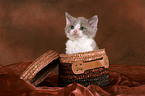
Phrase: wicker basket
(87, 68)
(40, 68)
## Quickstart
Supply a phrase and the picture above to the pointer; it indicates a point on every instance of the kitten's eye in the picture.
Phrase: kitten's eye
(72, 27)
(82, 28)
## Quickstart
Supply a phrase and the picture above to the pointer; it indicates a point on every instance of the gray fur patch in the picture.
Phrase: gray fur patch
(89, 30)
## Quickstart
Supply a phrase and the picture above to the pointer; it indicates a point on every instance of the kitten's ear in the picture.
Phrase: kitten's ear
(93, 21)
(68, 18)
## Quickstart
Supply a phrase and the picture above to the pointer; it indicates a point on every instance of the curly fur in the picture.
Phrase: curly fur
(80, 39)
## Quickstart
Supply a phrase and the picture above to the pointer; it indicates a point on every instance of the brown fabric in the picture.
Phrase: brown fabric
(29, 28)
(125, 80)
(14, 69)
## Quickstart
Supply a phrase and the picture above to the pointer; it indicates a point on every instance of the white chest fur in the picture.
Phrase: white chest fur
(83, 44)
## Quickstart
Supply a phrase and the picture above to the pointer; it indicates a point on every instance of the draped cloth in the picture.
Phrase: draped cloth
(124, 80)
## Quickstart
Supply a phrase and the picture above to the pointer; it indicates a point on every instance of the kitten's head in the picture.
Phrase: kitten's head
(79, 27)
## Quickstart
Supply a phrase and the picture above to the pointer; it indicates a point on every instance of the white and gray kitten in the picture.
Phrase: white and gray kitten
(80, 33)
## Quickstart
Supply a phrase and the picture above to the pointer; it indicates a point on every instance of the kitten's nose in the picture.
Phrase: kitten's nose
(75, 31)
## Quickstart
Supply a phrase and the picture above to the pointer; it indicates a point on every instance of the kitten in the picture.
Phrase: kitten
(80, 33)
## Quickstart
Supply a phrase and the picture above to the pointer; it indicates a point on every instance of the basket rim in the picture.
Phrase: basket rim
(88, 53)
(83, 56)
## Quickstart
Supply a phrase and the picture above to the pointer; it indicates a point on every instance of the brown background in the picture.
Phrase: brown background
(28, 28)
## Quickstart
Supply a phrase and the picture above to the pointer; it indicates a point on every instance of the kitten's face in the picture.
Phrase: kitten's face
(79, 27)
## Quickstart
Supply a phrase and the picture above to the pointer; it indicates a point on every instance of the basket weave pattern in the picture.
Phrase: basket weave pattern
(96, 76)
(37, 65)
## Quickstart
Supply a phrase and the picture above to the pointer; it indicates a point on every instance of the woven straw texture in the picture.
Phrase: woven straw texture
(97, 76)
(84, 56)
(38, 64)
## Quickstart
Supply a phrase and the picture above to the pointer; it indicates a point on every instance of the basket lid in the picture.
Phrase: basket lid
(40, 68)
